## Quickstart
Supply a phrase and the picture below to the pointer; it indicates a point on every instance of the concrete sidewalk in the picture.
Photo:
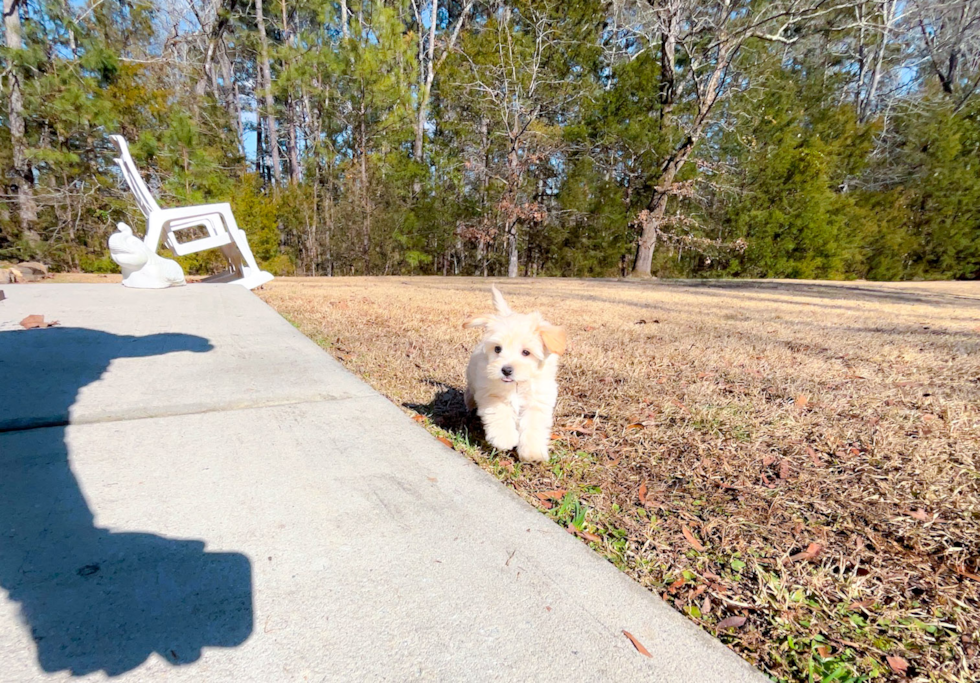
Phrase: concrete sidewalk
(192, 490)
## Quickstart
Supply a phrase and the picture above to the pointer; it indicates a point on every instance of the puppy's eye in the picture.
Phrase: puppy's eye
(496, 349)
(525, 352)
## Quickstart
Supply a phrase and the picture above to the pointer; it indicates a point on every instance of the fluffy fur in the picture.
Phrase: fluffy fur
(511, 379)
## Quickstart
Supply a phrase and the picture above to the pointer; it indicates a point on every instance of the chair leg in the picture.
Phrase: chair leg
(239, 236)
(154, 230)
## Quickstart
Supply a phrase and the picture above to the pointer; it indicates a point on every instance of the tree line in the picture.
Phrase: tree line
(756, 138)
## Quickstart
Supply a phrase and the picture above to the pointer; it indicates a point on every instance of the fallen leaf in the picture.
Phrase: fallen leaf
(860, 604)
(768, 460)
(706, 605)
(823, 651)
(555, 437)
(36, 321)
(920, 515)
(642, 494)
(546, 504)
(677, 584)
(731, 622)
(589, 328)
(635, 425)
(784, 470)
(419, 418)
(584, 534)
(637, 644)
(814, 458)
(446, 442)
(811, 552)
(898, 665)
(801, 401)
(695, 543)
(556, 495)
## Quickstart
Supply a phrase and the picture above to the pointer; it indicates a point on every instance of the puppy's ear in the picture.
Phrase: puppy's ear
(553, 338)
(478, 321)
(498, 301)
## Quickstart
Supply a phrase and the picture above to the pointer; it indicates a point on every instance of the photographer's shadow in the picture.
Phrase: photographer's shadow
(94, 599)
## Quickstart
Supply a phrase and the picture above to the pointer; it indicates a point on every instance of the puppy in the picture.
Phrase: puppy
(511, 379)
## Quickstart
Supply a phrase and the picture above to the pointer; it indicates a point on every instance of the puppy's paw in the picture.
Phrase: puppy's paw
(532, 452)
(503, 439)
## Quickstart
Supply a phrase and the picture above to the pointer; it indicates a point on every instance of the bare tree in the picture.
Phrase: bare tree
(518, 89)
(950, 33)
(23, 173)
(429, 64)
(708, 36)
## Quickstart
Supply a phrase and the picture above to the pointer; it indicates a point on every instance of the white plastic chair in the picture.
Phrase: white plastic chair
(216, 219)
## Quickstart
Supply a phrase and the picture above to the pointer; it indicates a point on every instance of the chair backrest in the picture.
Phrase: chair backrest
(139, 189)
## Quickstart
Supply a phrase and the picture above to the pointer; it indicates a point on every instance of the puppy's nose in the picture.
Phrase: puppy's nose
(507, 371)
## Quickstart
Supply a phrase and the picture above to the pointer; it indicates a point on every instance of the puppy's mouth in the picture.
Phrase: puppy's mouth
(508, 380)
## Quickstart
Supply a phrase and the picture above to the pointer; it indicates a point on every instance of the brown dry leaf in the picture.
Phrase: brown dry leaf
(823, 651)
(585, 534)
(897, 664)
(677, 584)
(419, 418)
(860, 604)
(784, 469)
(731, 622)
(706, 605)
(811, 552)
(637, 644)
(36, 321)
(801, 401)
(642, 493)
(446, 442)
(920, 515)
(555, 437)
(968, 575)
(695, 543)
(555, 495)
(814, 458)
(635, 425)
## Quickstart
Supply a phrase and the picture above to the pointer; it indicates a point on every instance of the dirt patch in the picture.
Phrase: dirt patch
(793, 465)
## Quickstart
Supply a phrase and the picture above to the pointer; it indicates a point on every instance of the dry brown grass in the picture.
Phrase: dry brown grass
(805, 455)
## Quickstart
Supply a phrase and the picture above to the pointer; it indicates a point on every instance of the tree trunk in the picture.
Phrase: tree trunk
(648, 239)
(513, 262)
(231, 97)
(366, 207)
(426, 75)
(23, 173)
(266, 77)
(292, 145)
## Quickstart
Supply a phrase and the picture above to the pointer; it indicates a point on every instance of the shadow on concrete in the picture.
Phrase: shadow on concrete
(95, 599)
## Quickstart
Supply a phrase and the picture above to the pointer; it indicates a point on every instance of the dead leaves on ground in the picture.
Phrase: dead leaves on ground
(692, 539)
(810, 553)
(897, 664)
(731, 622)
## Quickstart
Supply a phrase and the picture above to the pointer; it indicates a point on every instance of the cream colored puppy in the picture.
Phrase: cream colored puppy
(511, 379)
